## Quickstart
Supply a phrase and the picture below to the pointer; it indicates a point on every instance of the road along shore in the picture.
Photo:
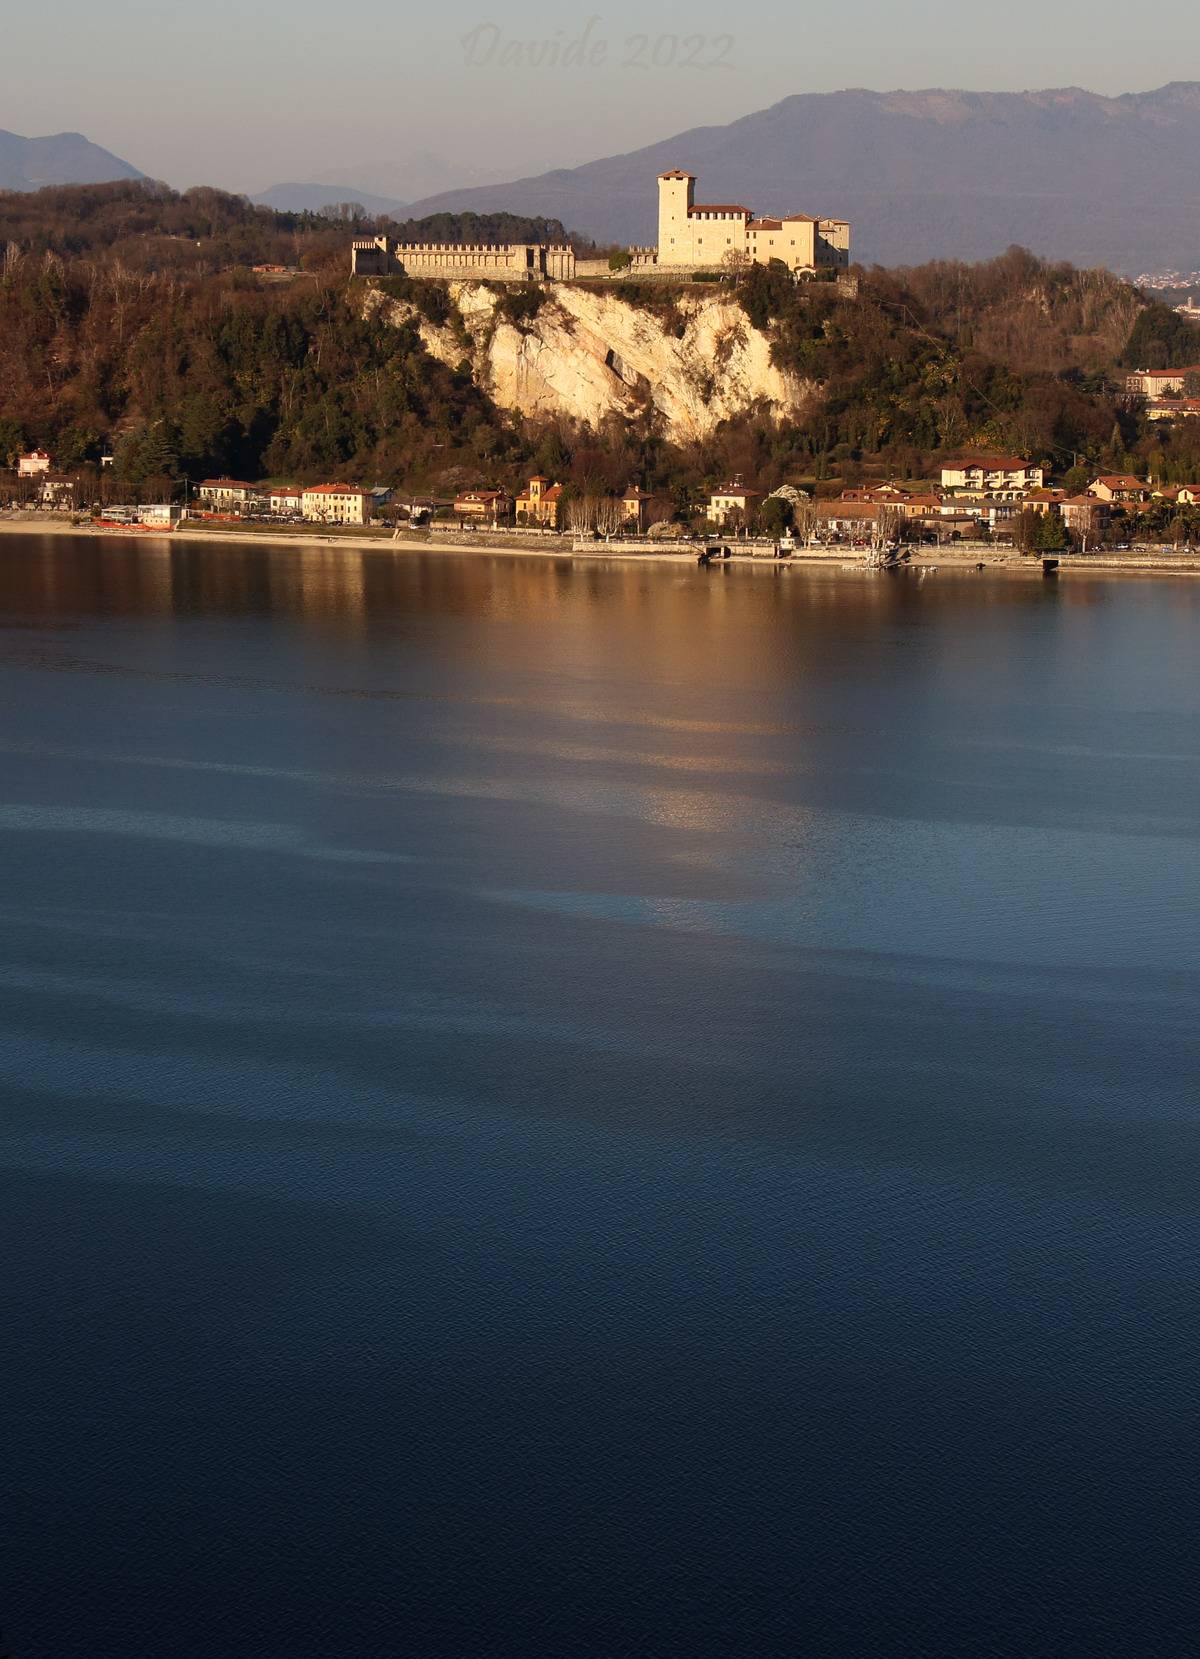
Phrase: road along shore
(1150, 562)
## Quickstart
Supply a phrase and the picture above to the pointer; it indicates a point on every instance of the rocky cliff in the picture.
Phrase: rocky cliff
(590, 354)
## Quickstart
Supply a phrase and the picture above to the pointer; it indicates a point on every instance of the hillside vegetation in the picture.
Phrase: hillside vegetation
(151, 227)
(129, 319)
(1013, 354)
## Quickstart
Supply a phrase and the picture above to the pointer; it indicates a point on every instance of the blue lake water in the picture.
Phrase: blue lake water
(560, 1110)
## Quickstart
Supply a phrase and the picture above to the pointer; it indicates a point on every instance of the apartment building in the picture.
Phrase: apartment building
(996, 475)
(336, 504)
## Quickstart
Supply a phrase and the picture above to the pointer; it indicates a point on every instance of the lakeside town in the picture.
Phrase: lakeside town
(977, 498)
(950, 479)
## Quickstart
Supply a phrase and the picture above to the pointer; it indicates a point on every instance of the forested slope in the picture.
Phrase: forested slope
(130, 319)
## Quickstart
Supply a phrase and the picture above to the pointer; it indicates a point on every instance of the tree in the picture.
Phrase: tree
(610, 515)
(1027, 527)
(143, 454)
(77, 445)
(888, 525)
(581, 514)
(620, 261)
(804, 522)
(12, 442)
(1160, 339)
(1052, 534)
(766, 292)
(775, 515)
(345, 212)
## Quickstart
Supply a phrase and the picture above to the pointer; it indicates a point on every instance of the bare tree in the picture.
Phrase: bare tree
(804, 521)
(887, 527)
(581, 514)
(610, 515)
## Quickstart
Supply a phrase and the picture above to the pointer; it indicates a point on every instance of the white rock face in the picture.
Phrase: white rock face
(589, 355)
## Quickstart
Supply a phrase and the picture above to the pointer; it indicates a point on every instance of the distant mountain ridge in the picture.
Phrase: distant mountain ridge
(930, 174)
(314, 198)
(61, 158)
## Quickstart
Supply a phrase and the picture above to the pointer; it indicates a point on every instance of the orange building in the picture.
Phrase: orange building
(540, 503)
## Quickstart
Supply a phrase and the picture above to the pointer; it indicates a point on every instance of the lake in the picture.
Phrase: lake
(595, 1110)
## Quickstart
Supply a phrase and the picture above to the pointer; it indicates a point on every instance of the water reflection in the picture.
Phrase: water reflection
(521, 1078)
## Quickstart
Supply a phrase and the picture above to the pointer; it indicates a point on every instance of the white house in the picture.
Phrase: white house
(1158, 382)
(1003, 475)
(226, 493)
(38, 460)
(727, 499)
(161, 515)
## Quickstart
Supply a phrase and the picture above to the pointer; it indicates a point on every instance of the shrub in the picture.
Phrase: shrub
(519, 305)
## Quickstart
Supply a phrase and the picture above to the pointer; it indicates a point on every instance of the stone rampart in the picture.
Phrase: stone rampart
(463, 261)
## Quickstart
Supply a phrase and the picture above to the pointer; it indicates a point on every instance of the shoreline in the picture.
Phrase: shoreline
(850, 559)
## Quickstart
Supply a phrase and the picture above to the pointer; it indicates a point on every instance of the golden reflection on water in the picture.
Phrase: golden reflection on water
(585, 753)
(667, 649)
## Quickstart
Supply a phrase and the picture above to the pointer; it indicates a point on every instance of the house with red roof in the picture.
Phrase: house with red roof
(540, 503)
(635, 506)
(730, 499)
(224, 494)
(1157, 383)
(1121, 487)
(336, 504)
(484, 506)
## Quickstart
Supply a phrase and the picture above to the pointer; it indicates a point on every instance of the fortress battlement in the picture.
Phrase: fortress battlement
(692, 236)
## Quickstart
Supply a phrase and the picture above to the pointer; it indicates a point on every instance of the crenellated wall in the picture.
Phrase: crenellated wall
(463, 261)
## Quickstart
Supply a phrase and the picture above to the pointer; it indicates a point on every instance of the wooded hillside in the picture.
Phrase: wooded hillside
(131, 321)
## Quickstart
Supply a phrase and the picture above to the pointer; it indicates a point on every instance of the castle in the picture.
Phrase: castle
(692, 237)
(696, 236)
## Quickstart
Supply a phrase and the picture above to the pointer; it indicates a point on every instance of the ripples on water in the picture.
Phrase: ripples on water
(562, 1110)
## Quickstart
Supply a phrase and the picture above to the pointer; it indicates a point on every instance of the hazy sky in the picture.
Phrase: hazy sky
(382, 95)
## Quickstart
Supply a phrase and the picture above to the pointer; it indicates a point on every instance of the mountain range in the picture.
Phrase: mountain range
(62, 158)
(921, 175)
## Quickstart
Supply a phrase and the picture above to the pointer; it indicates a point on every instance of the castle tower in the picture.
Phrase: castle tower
(676, 198)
